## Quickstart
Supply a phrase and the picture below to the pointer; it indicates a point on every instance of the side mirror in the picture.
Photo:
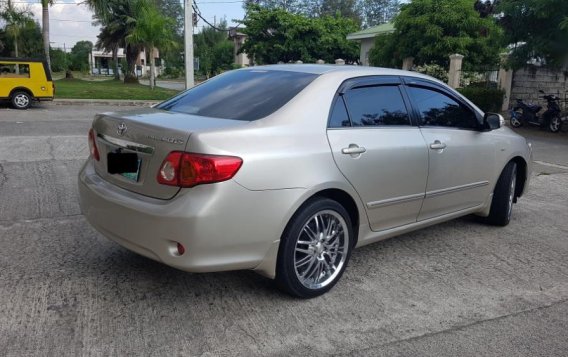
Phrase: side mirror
(493, 121)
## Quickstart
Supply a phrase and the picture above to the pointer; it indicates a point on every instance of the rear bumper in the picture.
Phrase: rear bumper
(222, 226)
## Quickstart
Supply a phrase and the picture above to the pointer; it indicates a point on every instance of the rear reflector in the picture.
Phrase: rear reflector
(180, 249)
(93, 145)
(184, 169)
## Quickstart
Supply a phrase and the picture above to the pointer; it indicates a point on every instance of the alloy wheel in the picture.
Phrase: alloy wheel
(21, 100)
(321, 249)
(512, 192)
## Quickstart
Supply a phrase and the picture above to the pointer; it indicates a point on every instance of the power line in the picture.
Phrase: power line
(198, 13)
(67, 20)
(34, 3)
(221, 2)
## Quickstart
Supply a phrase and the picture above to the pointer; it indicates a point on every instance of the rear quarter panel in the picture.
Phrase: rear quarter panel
(287, 150)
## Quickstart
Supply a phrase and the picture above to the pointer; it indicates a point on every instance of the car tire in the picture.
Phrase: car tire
(314, 249)
(21, 100)
(555, 124)
(515, 122)
(503, 197)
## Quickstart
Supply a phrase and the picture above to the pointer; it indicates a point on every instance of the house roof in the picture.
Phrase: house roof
(371, 32)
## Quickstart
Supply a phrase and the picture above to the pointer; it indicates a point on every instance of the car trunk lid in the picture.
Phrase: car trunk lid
(151, 134)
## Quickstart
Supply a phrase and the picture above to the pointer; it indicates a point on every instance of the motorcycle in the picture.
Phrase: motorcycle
(523, 114)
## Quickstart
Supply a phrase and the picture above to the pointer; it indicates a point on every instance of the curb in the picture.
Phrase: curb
(114, 102)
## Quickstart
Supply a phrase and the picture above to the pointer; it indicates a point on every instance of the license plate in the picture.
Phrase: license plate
(133, 176)
(124, 164)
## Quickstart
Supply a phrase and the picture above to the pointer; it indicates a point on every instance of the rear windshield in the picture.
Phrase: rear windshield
(242, 95)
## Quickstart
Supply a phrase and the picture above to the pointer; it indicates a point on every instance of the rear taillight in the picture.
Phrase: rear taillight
(93, 145)
(187, 169)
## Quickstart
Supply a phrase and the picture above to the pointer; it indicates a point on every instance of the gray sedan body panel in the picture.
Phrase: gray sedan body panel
(389, 176)
(288, 157)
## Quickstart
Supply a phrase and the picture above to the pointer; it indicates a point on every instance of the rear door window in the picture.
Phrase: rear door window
(242, 95)
(376, 106)
(339, 117)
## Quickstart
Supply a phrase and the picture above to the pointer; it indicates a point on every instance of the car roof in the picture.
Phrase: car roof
(347, 70)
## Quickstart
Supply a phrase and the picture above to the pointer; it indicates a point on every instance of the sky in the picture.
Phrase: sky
(70, 21)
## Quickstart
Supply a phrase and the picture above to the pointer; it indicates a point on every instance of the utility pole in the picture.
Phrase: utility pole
(188, 34)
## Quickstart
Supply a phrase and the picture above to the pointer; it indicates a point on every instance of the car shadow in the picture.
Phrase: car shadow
(5, 104)
(145, 278)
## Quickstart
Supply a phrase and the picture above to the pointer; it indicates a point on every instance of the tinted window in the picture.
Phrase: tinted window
(376, 106)
(437, 109)
(339, 117)
(242, 95)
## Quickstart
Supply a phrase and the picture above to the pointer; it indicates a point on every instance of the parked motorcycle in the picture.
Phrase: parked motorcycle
(527, 114)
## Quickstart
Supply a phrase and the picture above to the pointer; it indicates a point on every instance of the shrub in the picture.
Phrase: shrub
(487, 99)
(433, 70)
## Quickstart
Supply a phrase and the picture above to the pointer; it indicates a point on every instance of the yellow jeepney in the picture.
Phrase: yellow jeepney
(23, 80)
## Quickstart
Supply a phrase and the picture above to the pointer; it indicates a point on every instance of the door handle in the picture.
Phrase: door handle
(437, 145)
(353, 149)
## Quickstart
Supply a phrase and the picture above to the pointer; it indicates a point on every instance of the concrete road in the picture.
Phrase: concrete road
(456, 289)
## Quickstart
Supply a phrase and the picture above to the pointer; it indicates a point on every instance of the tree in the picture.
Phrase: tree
(58, 60)
(16, 20)
(45, 29)
(214, 50)
(110, 40)
(173, 56)
(79, 56)
(376, 12)
(535, 29)
(277, 35)
(30, 40)
(431, 30)
(293, 6)
(152, 30)
(119, 17)
(344, 8)
(368, 12)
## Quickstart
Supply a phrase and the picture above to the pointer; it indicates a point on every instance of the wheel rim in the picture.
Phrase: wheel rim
(512, 193)
(321, 249)
(515, 122)
(555, 124)
(21, 100)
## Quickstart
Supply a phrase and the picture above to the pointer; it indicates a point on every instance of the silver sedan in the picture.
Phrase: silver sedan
(285, 169)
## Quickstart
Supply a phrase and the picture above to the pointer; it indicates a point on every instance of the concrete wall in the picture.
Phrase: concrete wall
(241, 59)
(527, 82)
(366, 45)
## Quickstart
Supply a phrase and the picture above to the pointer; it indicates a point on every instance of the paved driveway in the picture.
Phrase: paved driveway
(460, 288)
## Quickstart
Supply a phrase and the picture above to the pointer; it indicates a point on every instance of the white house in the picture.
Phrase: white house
(100, 63)
(367, 39)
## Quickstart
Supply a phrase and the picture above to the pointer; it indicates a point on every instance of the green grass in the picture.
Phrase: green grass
(108, 89)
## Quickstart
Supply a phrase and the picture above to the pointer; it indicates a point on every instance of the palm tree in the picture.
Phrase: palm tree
(152, 30)
(16, 20)
(111, 39)
(45, 28)
(119, 17)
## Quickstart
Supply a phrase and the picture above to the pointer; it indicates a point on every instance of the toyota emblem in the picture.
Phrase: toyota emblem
(121, 130)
